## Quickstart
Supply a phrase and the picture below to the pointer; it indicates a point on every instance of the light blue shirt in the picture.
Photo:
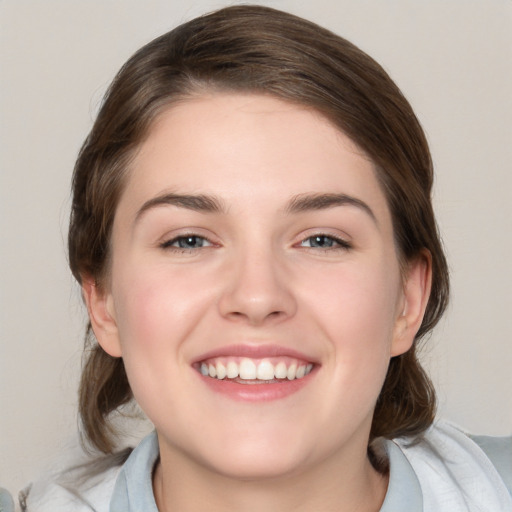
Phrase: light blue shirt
(445, 471)
(133, 491)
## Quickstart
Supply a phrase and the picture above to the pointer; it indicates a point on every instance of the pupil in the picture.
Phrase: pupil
(322, 241)
(189, 241)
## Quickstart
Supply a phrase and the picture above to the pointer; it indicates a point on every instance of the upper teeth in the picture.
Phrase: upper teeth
(248, 369)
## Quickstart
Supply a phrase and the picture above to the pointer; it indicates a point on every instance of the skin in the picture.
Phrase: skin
(259, 280)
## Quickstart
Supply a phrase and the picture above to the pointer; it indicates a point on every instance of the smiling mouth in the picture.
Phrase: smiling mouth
(255, 371)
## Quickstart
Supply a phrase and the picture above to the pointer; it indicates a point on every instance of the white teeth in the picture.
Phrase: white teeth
(247, 369)
(281, 371)
(265, 371)
(221, 371)
(292, 371)
(232, 370)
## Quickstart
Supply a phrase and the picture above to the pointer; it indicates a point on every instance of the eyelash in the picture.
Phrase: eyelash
(168, 244)
(337, 243)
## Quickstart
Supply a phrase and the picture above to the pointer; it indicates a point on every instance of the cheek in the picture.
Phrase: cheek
(357, 312)
(146, 303)
(140, 309)
(157, 308)
(361, 298)
(151, 316)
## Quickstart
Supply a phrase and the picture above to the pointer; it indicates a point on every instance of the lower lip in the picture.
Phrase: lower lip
(264, 392)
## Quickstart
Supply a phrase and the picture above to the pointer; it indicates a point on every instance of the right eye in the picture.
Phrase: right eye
(186, 243)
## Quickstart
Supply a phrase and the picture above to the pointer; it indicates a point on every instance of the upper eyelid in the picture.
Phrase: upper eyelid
(167, 241)
(339, 240)
(182, 232)
(336, 234)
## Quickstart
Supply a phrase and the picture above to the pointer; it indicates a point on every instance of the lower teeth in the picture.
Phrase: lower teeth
(255, 381)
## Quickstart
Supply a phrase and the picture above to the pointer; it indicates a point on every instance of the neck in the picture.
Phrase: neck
(333, 484)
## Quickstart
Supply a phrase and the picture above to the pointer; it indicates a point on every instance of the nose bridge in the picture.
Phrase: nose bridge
(257, 289)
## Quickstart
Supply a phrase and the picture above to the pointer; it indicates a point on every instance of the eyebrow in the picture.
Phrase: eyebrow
(307, 202)
(199, 203)
(212, 204)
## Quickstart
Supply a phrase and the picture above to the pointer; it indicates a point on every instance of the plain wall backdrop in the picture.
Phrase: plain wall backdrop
(453, 61)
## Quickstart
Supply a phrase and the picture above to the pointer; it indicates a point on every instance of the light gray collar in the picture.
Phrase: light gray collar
(133, 491)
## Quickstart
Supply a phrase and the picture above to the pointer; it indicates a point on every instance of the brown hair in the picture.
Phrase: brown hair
(258, 49)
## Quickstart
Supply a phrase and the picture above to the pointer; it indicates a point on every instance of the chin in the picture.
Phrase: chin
(261, 467)
(259, 455)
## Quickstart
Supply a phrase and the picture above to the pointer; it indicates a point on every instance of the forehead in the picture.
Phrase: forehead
(246, 147)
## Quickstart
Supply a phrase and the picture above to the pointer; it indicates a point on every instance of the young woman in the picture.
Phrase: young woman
(253, 233)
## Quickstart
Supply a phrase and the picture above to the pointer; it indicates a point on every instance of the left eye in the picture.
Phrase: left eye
(187, 242)
(324, 242)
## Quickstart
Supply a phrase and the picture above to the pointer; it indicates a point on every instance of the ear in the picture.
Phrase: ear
(100, 306)
(416, 292)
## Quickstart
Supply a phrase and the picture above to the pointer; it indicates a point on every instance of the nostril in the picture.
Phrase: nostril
(255, 318)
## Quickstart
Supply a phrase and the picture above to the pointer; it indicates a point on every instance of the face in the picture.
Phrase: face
(255, 293)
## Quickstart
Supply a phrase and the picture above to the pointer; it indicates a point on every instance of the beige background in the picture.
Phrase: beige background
(453, 60)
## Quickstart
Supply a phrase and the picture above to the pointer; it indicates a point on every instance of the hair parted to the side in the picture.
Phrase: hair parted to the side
(258, 49)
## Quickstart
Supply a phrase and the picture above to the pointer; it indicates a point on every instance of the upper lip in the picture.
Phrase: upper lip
(259, 351)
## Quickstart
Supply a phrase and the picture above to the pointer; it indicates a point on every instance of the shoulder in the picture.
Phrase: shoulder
(455, 469)
(6, 501)
(119, 482)
(86, 488)
(499, 451)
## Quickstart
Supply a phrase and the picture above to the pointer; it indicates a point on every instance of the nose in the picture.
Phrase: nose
(258, 290)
